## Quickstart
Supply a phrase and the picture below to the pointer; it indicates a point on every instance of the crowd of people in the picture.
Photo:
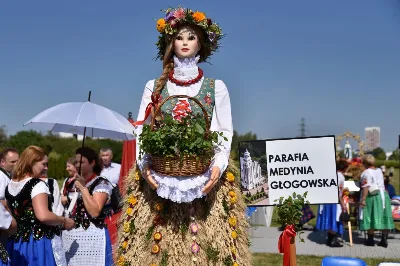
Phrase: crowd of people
(43, 225)
(374, 203)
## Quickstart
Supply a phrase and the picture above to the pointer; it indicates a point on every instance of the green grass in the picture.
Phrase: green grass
(268, 259)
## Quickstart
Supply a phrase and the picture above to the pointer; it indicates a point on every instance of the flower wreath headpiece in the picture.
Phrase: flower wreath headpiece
(175, 17)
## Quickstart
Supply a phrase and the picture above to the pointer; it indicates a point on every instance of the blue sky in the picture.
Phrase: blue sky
(335, 63)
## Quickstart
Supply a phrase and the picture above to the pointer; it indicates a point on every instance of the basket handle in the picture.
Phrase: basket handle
(153, 118)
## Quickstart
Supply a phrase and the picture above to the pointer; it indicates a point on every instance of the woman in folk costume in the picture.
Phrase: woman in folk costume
(89, 242)
(329, 214)
(376, 212)
(185, 220)
(30, 202)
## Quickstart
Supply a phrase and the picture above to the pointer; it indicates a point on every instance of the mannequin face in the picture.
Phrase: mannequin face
(186, 43)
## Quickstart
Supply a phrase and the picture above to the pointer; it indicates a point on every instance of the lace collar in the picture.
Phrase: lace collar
(186, 68)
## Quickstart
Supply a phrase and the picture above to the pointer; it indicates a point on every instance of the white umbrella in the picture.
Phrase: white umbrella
(85, 118)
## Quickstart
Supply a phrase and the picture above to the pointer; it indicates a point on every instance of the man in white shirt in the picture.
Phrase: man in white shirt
(110, 170)
(8, 158)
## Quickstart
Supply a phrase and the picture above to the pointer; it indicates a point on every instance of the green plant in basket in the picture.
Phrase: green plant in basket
(289, 211)
(174, 138)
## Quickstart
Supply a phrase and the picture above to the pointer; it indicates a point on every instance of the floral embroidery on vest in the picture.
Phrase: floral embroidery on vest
(22, 210)
(82, 216)
(206, 96)
(3, 254)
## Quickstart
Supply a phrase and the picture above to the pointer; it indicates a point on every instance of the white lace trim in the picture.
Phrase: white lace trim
(186, 68)
(181, 189)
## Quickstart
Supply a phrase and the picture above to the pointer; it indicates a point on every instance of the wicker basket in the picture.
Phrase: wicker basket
(189, 165)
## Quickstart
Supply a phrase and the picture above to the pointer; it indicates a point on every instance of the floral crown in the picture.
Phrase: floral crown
(175, 17)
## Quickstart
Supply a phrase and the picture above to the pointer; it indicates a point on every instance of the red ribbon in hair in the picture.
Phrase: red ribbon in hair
(155, 100)
(284, 243)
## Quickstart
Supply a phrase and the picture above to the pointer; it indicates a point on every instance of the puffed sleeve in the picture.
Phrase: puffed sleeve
(366, 179)
(146, 99)
(40, 188)
(222, 122)
(103, 187)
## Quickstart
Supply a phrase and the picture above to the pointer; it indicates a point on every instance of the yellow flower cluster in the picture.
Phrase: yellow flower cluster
(137, 175)
(132, 200)
(121, 261)
(232, 221)
(127, 227)
(129, 211)
(232, 197)
(230, 177)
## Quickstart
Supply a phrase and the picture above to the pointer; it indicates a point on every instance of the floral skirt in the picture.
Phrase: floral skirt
(207, 231)
(375, 216)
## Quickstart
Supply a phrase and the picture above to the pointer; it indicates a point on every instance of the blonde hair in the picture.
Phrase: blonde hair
(28, 158)
(369, 160)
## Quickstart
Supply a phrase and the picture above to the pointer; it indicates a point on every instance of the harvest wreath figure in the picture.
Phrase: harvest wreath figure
(183, 204)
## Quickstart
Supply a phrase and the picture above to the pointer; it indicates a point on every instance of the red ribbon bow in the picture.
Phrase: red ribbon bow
(284, 243)
(155, 100)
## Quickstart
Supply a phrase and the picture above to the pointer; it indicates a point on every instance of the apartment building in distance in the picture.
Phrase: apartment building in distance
(372, 138)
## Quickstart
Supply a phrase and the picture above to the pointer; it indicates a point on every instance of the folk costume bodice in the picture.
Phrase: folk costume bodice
(82, 217)
(21, 208)
(214, 96)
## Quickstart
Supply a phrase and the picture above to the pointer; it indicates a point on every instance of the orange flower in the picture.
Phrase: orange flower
(199, 16)
(129, 211)
(153, 264)
(159, 206)
(155, 249)
(121, 261)
(232, 194)
(132, 200)
(233, 199)
(125, 244)
(234, 234)
(230, 177)
(137, 176)
(157, 236)
(161, 24)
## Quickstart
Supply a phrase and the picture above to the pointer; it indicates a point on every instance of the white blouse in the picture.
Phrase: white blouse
(15, 187)
(5, 218)
(186, 189)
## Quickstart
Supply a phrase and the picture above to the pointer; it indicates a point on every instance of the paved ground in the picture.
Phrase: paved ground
(265, 240)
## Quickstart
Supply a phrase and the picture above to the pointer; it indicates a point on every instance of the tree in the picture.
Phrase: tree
(395, 155)
(379, 153)
(3, 135)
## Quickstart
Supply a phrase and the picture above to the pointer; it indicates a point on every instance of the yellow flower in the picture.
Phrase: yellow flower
(132, 200)
(230, 177)
(129, 211)
(121, 261)
(159, 206)
(232, 221)
(127, 227)
(235, 264)
(233, 250)
(125, 244)
(161, 24)
(199, 16)
(137, 176)
(234, 234)
(232, 194)
(233, 199)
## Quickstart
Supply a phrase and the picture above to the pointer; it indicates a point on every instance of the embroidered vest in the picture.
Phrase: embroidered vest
(206, 96)
(22, 210)
(3, 254)
(82, 216)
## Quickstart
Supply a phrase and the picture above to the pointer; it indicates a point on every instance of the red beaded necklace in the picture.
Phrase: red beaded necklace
(185, 83)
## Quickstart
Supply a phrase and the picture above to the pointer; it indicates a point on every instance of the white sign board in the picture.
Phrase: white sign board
(289, 165)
